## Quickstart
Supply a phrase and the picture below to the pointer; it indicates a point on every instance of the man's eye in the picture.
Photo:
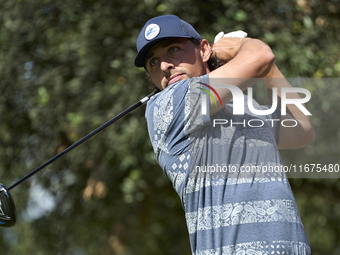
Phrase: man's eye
(173, 49)
(153, 62)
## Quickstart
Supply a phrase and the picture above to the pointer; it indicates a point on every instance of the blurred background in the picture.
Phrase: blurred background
(66, 67)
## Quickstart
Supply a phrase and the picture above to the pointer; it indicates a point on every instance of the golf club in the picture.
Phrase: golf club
(7, 206)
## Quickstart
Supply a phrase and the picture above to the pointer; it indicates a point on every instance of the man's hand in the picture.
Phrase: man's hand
(226, 46)
(237, 34)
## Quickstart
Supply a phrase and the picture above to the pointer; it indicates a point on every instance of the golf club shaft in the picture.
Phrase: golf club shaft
(94, 132)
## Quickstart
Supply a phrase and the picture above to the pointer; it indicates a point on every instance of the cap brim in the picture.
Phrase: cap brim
(140, 57)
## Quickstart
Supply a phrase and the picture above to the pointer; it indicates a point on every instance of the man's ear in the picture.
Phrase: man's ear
(205, 50)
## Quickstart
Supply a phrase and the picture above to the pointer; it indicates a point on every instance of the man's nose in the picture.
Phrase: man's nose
(166, 65)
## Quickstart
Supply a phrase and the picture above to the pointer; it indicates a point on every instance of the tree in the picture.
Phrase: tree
(67, 67)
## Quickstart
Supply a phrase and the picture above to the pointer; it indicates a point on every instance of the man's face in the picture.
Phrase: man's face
(175, 59)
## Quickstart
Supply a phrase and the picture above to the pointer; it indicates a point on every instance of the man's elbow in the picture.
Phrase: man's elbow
(306, 138)
(310, 136)
(296, 140)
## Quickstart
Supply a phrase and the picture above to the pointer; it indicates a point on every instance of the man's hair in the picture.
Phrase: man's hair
(151, 86)
(213, 63)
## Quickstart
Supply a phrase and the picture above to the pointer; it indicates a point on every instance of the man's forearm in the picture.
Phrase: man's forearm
(290, 137)
(252, 59)
(275, 79)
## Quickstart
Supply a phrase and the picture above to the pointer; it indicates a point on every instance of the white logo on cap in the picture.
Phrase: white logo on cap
(151, 31)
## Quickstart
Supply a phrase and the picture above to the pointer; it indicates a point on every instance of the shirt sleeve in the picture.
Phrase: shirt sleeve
(174, 114)
(197, 108)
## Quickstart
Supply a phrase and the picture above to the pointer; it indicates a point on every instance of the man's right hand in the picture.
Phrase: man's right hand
(227, 48)
(237, 34)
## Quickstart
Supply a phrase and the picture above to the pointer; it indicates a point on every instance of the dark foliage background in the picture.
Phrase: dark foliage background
(66, 67)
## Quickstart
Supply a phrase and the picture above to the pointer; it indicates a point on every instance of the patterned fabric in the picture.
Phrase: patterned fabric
(228, 208)
(259, 248)
(218, 216)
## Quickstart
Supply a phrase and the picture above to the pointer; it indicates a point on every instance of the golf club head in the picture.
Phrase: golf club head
(7, 208)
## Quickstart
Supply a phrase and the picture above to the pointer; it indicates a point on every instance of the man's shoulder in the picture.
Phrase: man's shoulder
(170, 90)
(176, 92)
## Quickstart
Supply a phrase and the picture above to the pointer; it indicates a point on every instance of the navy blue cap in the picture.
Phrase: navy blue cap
(158, 29)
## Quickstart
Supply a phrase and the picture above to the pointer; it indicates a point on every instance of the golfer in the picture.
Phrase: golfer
(230, 211)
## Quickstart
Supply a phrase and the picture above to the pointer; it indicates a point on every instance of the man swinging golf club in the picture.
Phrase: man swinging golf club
(229, 212)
